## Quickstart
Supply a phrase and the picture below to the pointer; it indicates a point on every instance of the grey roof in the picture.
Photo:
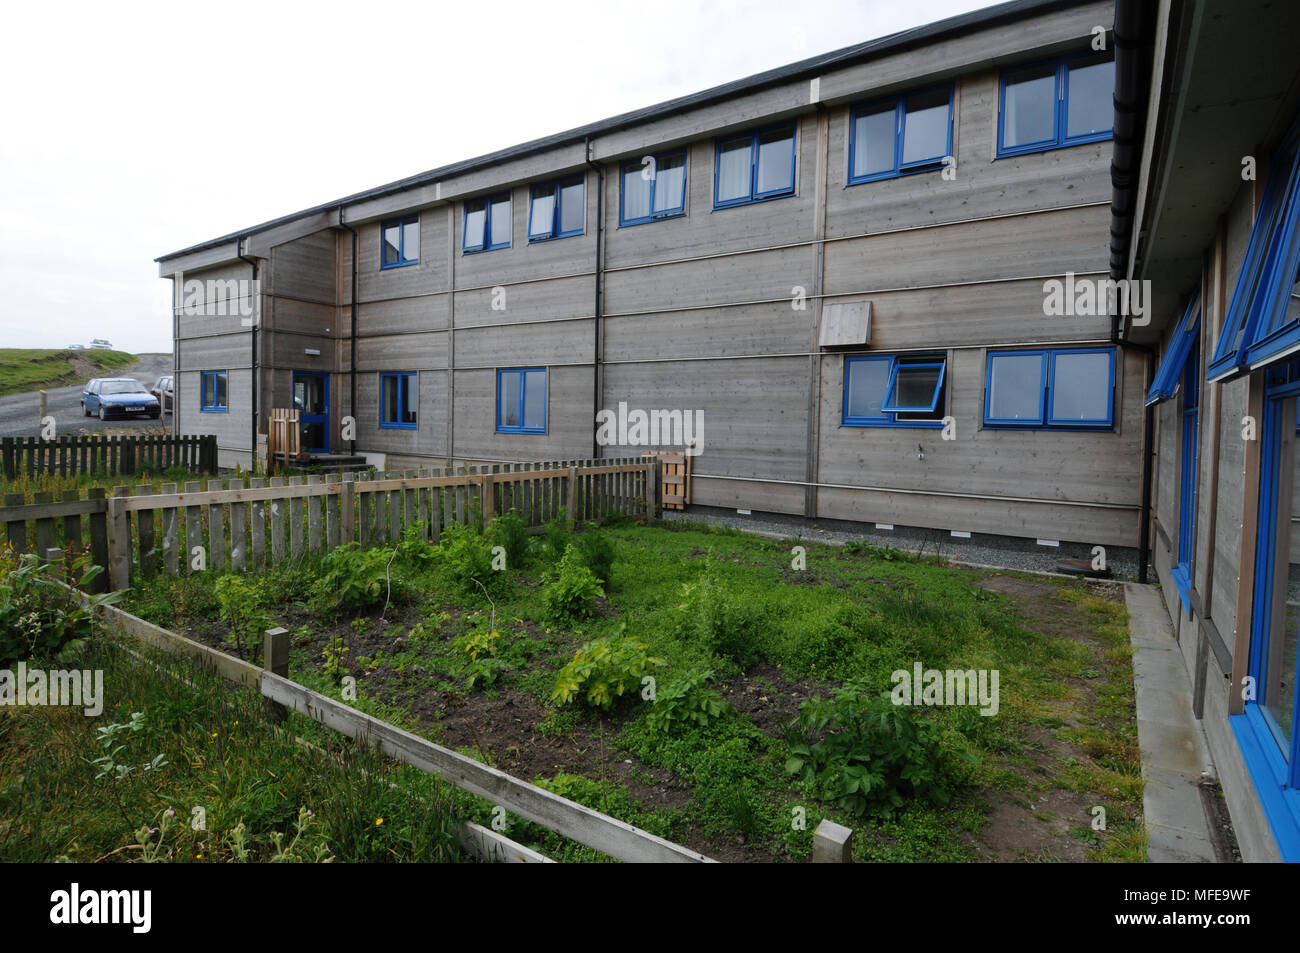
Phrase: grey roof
(895, 42)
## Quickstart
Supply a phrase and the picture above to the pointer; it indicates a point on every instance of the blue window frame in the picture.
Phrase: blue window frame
(487, 223)
(1165, 383)
(652, 188)
(1268, 730)
(557, 209)
(1262, 323)
(1062, 102)
(1182, 573)
(901, 135)
(215, 394)
(400, 242)
(399, 400)
(754, 167)
(892, 390)
(521, 400)
(1063, 388)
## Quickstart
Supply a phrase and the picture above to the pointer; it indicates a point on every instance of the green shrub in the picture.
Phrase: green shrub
(242, 604)
(508, 532)
(603, 670)
(355, 579)
(467, 558)
(572, 589)
(723, 622)
(869, 755)
(556, 536)
(687, 700)
(38, 618)
(414, 551)
(597, 552)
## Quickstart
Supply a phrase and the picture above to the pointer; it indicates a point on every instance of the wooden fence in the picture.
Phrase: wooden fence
(97, 453)
(253, 523)
(606, 834)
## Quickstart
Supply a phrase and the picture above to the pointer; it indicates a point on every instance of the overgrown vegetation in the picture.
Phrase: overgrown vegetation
(705, 663)
(24, 369)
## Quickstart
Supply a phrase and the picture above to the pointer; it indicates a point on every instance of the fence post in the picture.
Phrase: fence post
(275, 659)
(487, 494)
(119, 554)
(573, 496)
(348, 510)
(832, 844)
(54, 556)
(652, 490)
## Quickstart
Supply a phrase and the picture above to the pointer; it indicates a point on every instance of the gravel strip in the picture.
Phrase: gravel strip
(1019, 555)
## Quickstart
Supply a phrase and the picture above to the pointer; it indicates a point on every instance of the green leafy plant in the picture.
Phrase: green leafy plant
(715, 616)
(597, 552)
(414, 550)
(604, 670)
(687, 700)
(38, 617)
(355, 579)
(509, 532)
(572, 589)
(467, 558)
(241, 604)
(334, 655)
(556, 536)
(867, 754)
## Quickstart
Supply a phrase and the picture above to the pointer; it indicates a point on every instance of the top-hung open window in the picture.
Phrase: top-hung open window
(1262, 324)
(1170, 373)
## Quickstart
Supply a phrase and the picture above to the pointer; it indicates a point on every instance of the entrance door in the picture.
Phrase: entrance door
(311, 398)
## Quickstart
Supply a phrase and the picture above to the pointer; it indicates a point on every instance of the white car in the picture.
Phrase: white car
(99, 344)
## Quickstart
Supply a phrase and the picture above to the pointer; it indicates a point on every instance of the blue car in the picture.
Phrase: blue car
(119, 397)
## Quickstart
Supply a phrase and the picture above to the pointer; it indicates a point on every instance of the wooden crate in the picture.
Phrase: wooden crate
(675, 473)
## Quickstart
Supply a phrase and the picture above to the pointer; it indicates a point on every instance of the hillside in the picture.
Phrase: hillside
(24, 369)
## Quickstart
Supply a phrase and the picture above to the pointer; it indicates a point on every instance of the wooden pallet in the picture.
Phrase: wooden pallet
(676, 477)
(284, 436)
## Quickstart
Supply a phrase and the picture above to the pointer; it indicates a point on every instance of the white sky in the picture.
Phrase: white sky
(130, 130)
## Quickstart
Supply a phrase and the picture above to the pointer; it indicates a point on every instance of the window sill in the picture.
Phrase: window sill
(935, 165)
(905, 424)
(755, 201)
(666, 216)
(399, 264)
(1052, 146)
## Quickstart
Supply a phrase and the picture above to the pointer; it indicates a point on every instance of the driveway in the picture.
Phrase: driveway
(20, 413)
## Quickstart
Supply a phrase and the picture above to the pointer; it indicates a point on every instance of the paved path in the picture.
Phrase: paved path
(20, 413)
(1175, 756)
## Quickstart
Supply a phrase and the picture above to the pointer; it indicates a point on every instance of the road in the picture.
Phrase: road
(20, 413)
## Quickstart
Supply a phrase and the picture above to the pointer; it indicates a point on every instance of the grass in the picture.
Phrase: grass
(213, 757)
(773, 637)
(24, 369)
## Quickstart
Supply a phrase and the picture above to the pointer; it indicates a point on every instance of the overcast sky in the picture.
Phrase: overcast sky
(129, 130)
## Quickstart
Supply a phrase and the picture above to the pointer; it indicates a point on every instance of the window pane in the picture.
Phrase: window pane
(1029, 106)
(209, 390)
(410, 398)
(573, 210)
(392, 250)
(1090, 99)
(475, 217)
(388, 400)
(221, 390)
(541, 218)
(508, 400)
(636, 194)
(1015, 387)
(775, 162)
(500, 228)
(1081, 387)
(535, 399)
(866, 386)
(925, 126)
(733, 169)
(1279, 663)
(670, 183)
(411, 241)
(873, 141)
(915, 388)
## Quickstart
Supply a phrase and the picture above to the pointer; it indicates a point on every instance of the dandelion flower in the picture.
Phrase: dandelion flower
(379, 822)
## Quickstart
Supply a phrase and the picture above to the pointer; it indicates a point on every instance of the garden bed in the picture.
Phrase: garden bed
(534, 670)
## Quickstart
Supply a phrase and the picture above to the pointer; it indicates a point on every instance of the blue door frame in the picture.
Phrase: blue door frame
(313, 422)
